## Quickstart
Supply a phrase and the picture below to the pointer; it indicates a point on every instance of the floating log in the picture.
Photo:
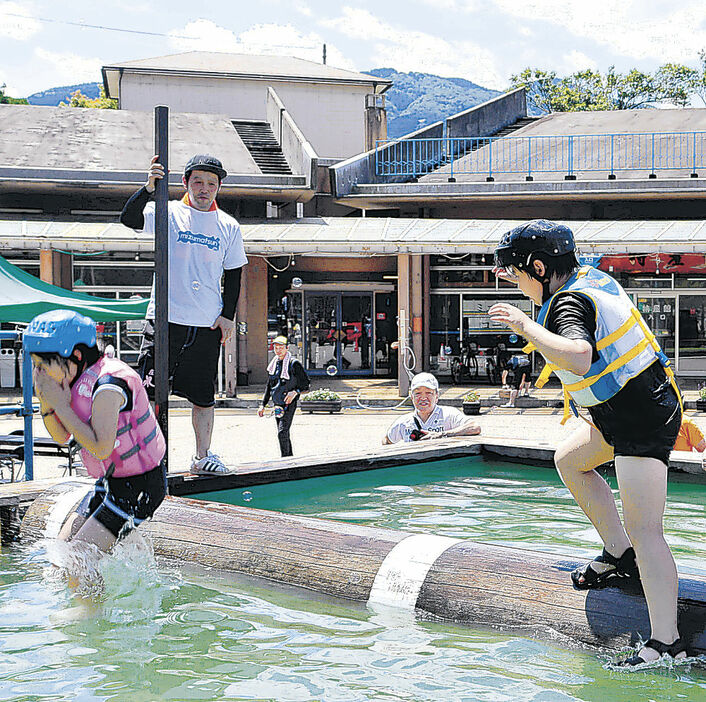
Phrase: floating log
(458, 580)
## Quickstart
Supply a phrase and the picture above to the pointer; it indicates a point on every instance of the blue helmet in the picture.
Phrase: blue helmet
(59, 331)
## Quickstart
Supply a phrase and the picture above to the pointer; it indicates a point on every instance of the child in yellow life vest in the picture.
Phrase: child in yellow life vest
(608, 361)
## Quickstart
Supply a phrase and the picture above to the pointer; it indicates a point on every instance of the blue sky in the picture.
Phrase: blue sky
(481, 40)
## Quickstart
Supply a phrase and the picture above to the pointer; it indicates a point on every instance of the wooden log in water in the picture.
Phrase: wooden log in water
(463, 581)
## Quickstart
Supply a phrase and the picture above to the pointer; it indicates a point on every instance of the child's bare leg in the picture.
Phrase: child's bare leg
(643, 489)
(71, 526)
(576, 458)
(93, 532)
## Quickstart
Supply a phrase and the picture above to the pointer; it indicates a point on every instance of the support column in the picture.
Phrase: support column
(403, 319)
(55, 268)
(417, 305)
(257, 320)
(241, 331)
(426, 313)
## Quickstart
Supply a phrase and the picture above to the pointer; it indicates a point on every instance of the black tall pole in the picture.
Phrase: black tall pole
(161, 270)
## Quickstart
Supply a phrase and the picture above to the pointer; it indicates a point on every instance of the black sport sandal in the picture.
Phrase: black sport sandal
(623, 567)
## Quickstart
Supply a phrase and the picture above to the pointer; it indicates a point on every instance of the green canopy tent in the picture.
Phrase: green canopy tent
(23, 297)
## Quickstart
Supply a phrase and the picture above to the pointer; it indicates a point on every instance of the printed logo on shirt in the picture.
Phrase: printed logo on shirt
(212, 242)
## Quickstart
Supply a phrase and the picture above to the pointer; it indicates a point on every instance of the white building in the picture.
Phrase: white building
(330, 105)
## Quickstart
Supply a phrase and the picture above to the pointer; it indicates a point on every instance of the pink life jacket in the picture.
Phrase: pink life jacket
(139, 444)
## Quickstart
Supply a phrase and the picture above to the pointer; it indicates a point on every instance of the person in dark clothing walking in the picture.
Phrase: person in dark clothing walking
(287, 379)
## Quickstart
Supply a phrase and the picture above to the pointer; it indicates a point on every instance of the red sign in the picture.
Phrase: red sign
(654, 263)
(381, 316)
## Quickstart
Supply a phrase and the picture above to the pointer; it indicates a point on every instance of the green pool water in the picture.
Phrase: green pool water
(162, 632)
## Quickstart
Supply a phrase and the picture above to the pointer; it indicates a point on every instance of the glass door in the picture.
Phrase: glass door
(322, 331)
(692, 334)
(659, 312)
(339, 333)
(356, 327)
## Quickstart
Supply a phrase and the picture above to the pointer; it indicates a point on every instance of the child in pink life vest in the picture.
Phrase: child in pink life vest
(101, 402)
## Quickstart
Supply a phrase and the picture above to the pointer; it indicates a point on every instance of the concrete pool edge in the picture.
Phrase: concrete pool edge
(298, 468)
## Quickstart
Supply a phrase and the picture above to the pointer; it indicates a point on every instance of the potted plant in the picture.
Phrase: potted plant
(323, 400)
(701, 399)
(471, 403)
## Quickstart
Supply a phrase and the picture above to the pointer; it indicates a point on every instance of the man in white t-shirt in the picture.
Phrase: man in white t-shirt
(429, 419)
(205, 245)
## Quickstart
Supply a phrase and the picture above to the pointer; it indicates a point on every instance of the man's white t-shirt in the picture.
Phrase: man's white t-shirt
(441, 419)
(201, 246)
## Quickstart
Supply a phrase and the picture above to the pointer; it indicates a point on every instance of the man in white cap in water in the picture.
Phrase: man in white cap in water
(429, 419)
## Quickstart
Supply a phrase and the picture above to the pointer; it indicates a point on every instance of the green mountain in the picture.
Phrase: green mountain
(418, 99)
(414, 100)
(54, 96)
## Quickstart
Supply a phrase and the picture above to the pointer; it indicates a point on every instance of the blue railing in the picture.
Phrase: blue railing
(569, 155)
(26, 409)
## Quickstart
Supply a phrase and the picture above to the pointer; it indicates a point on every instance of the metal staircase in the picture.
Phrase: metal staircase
(522, 122)
(262, 145)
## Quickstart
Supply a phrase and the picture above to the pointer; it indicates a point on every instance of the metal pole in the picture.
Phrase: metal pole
(27, 412)
(161, 270)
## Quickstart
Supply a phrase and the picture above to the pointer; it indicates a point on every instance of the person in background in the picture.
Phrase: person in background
(691, 438)
(518, 365)
(429, 419)
(592, 336)
(205, 245)
(101, 402)
(287, 380)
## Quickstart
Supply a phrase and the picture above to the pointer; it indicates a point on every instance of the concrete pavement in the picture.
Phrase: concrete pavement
(240, 436)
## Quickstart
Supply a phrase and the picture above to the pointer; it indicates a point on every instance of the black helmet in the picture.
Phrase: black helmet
(204, 162)
(520, 245)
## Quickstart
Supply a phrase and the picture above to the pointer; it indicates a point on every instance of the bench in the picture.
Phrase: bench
(12, 451)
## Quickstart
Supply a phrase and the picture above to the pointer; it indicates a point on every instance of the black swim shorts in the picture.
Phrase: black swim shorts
(193, 362)
(128, 500)
(643, 419)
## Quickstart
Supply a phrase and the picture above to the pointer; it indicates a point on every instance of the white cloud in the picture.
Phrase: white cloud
(411, 50)
(658, 31)
(20, 28)
(204, 35)
(278, 39)
(304, 9)
(578, 61)
(67, 68)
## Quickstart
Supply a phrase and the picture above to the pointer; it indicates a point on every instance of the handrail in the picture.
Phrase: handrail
(561, 154)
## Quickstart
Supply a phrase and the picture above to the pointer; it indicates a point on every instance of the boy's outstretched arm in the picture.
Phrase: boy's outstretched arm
(570, 354)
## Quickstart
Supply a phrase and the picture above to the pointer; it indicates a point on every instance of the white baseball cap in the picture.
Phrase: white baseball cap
(424, 380)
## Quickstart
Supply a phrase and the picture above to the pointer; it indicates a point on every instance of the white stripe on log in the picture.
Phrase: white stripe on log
(402, 573)
(63, 504)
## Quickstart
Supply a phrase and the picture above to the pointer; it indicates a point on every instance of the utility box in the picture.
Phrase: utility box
(7, 368)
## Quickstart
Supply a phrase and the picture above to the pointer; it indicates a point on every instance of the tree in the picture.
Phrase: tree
(540, 86)
(7, 100)
(700, 80)
(591, 90)
(78, 99)
(677, 83)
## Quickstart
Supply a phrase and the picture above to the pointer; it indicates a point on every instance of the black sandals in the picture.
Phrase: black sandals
(623, 567)
(673, 649)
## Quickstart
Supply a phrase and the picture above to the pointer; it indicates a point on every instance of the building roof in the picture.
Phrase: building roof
(371, 236)
(51, 149)
(226, 65)
(113, 140)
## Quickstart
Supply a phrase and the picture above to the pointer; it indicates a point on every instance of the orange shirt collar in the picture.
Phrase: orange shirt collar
(187, 201)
